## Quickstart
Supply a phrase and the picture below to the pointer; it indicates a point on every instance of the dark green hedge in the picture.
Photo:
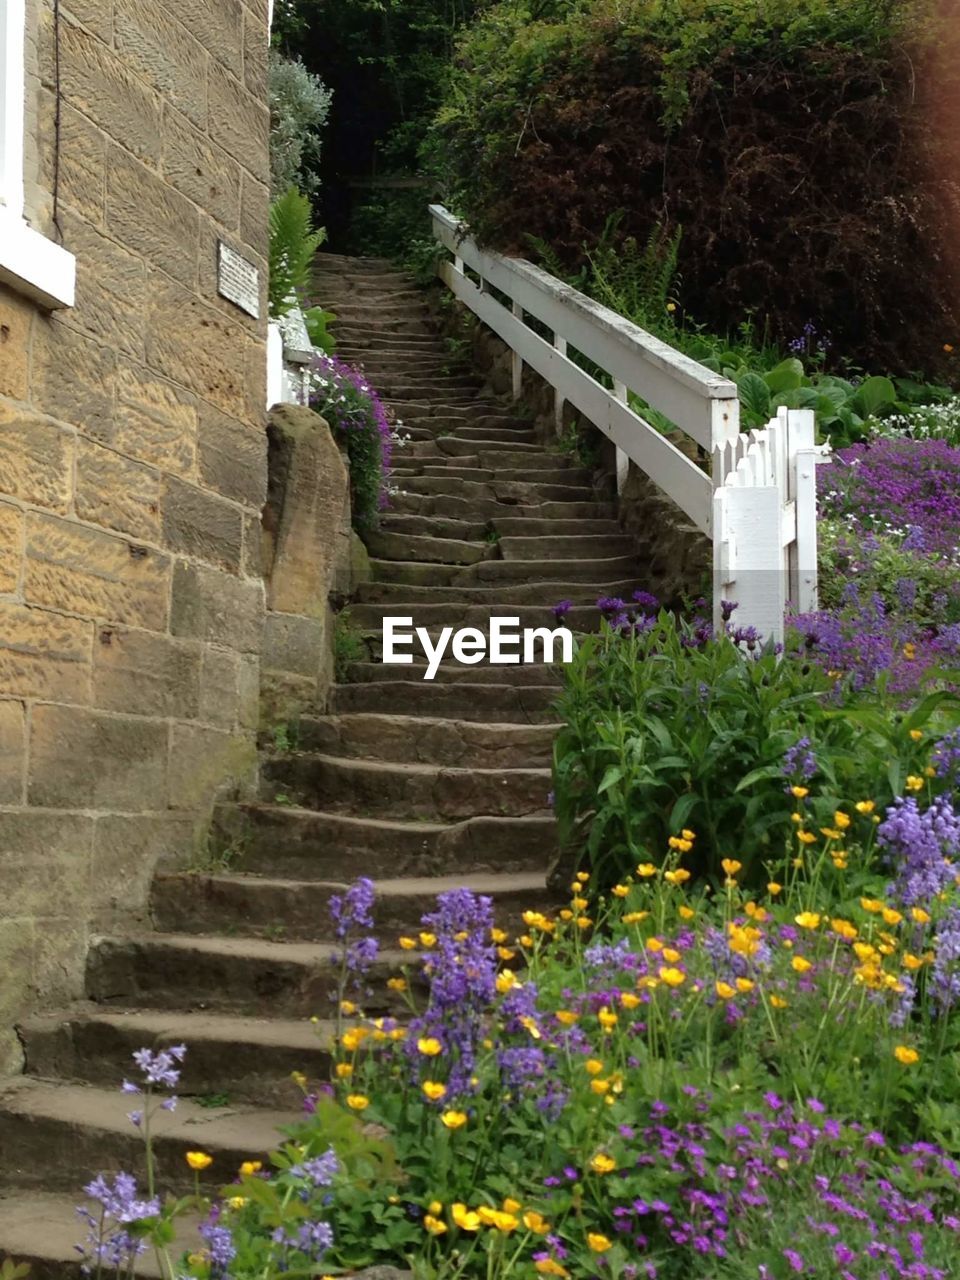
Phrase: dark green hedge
(787, 138)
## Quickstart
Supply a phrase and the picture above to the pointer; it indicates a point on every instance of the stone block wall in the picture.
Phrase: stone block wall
(132, 471)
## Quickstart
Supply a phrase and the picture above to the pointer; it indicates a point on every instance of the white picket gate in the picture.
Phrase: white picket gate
(756, 498)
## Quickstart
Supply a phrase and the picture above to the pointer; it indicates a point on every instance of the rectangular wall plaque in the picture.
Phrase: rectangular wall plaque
(238, 280)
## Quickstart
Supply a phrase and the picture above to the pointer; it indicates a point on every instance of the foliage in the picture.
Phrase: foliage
(348, 646)
(695, 114)
(299, 106)
(341, 394)
(317, 320)
(937, 420)
(11, 1270)
(666, 726)
(293, 243)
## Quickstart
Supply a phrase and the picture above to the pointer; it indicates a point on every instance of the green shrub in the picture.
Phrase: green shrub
(697, 114)
(293, 244)
(666, 730)
(299, 106)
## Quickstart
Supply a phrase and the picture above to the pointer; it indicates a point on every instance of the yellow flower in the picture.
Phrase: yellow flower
(914, 783)
(535, 1223)
(348, 1007)
(429, 1046)
(198, 1160)
(671, 976)
(685, 912)
(799, 793)
(890, 916)
(841, 820)
(921, 916)
(600, 1086)
(506, 981)
(806, 837)
(299, 1079)
(905, 1055)
(506, 953)
(530, 1024)
(910, 651)
(744, 985)
(840, 862)
(831, 833)
(435, 1207)
(646, 869)
(731, 866)
(635, 917)
(357, 1101)
(773, 888)
(250, 1167)
(778, 1002)
(511, 1206)
(525, 940)
(497, 1218)
(237, 1202)
(725, 991)
(550, 1267)
(566, 1017)
(454, 1119)
(434, 1090)
(670, 955)
(464, 1218)
(948, 348)
(598, 1243)
(593, 1066)
(498, 935)
(434, 1225)
(873, 905)
(397, 984)
(865, 806)
(911, 962)
(680, 876)
(800, 964)
(579, 904)
(602, 1163)
(607, 1018)
(620, 890)
(916, 734)
(408, 944)
(654, 944)
(428, 940)
(343, 1069)
(537, 920)
(844, 929)
(584, 922)
(807, 920)
(629, 1000)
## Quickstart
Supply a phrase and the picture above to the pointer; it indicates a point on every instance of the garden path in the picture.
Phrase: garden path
(420, 785)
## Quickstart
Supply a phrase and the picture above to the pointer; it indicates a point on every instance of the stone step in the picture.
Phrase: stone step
(408, 526)
(567, 547)
(396, 548)
(406, 597)
(310, 845)
(240, 976)
(452, 672)
(528, 523)
(462, 409)
(516, 492)
(253, 906)
(423, 792)
(427, 445)
(491, 572)
(361, 339)
(460, 612)
(460, 700)
(42, 1229)
(494, 529)
(457, 473)
(248, 1059)
(57, 1137)
(493, 509)
(370, 735)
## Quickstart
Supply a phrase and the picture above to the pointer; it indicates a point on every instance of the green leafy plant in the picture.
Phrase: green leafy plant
(317, 320)
(299, 107)
(348, 645)
(10, 1270)
(294, 242)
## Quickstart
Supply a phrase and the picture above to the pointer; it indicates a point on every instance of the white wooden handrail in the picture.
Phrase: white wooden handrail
(758, 499)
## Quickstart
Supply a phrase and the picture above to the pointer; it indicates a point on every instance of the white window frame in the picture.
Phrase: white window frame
(29, 262)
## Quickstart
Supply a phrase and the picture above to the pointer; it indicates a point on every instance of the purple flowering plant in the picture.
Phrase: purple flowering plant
(361, 422)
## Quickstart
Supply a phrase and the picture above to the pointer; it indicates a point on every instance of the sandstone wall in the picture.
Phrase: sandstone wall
(132, 471)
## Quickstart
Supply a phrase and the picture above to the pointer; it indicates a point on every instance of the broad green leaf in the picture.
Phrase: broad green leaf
(786, 376)
(754, 394)
(873, 394)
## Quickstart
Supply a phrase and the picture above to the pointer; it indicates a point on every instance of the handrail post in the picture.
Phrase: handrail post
(516, 363)
(560, 346)
(623, 462)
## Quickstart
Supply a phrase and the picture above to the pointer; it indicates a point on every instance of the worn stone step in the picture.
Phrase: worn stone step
(463, 409)
(310, 845)
(256, 906)
(496, 509)
(42, 1229)
(461, 700)
(460, 612)
(372, 735)
(405, 597)
(452, 672)
(57, 1136)
(530, 523)
(248, 1059)
(456, 473)
(496, 573)
(240, 976)
(565, 547)
(518, 492)
(361, 339)
(396, 548)
(408, 526)
(424, 792)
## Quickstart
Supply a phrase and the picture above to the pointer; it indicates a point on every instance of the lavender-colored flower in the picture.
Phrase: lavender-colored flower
(161, 1066)
(799, 762)
(561, 609)
(917, 845)
(320, 1170)
(219, 1241)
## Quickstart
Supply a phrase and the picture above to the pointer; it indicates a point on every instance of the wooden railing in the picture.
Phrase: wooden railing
(755, 497)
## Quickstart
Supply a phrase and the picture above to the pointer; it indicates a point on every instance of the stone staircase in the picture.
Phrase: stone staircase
(423, 786)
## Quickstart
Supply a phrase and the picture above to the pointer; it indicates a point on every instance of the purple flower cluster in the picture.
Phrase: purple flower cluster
(352, 916)
(461, 969)
(799, 762)
(910, 486)
(918, 844)
(109, 1242)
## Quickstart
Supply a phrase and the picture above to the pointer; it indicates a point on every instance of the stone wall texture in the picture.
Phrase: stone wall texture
(133, 465)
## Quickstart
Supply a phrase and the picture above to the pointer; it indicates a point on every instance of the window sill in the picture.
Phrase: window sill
(33, 265)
